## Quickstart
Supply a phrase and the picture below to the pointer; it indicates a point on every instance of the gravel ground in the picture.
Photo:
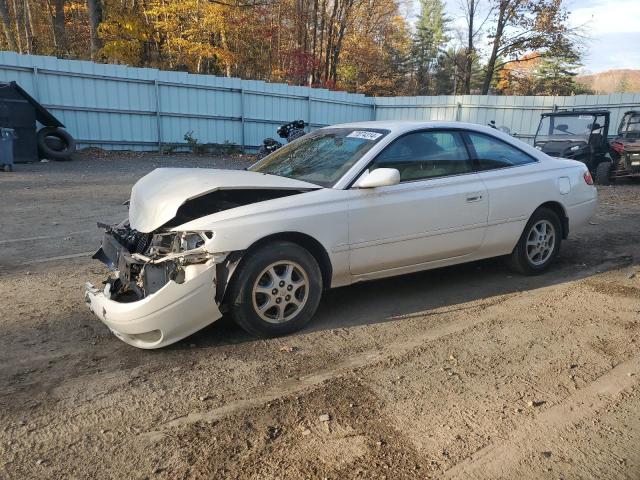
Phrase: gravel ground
(463, 372)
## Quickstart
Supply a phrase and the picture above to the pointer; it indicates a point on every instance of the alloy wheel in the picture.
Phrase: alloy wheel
(541, 241)
(280, 292)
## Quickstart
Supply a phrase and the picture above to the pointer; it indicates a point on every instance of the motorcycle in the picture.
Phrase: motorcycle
(503, 129)
(289, 131)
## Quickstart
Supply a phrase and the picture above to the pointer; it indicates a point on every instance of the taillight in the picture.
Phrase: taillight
(588, 179)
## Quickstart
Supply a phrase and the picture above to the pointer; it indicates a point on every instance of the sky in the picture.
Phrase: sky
(612, 28)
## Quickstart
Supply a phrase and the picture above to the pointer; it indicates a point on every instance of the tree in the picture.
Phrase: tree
(556, 75)
(59, 27)
(519, 78)
(358, 45)
(623, 85)
(376, 53)
(428, 40)
(94, 8)
(475, 17)
(522, 26)
(6, 25)
(535, 74)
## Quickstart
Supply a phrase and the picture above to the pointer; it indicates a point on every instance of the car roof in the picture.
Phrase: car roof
(402, 126)
(570, 113)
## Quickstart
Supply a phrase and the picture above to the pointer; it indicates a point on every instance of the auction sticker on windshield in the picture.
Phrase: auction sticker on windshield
(364, 134)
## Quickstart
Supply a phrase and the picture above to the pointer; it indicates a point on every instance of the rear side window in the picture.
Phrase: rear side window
(493, 153)
(427, 154)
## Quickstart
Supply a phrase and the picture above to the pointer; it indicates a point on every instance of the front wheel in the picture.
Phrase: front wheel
(276, 290)
(539, 244)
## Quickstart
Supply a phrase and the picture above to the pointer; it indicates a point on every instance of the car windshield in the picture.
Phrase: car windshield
(321, 157)
(630, 127)
(565, 127)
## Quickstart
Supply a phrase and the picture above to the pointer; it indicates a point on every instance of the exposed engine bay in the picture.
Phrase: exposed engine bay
(142, 263)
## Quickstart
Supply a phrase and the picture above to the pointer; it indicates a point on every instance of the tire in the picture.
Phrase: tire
(523, 259)
(603, 173)
(54, 143)
(45, 147)
(294, 134)
(263, 152)
(263, 272)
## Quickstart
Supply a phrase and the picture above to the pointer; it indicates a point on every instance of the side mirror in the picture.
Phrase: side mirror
(380, 177)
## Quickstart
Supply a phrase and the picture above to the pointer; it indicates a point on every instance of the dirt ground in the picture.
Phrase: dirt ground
(464, 372)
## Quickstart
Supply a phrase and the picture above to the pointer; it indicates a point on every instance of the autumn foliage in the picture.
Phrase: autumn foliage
(349, 44)
(507, 46)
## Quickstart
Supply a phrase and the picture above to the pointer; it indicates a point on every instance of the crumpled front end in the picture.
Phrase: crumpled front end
(162, 286)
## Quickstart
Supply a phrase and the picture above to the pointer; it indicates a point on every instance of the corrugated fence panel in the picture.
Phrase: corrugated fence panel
(519, 114)
(119, 107)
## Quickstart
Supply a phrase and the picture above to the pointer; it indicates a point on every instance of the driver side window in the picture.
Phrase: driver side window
(428, 154)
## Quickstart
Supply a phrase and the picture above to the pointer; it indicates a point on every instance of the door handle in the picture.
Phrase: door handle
(474, 197)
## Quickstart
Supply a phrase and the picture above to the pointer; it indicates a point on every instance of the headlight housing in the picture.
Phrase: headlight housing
(178, 242)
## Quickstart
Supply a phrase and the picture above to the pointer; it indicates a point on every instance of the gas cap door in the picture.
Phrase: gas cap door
(564, 185)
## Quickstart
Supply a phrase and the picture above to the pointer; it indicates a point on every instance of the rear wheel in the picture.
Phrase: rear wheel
(276, 290)
(603, 173)
(539, 244)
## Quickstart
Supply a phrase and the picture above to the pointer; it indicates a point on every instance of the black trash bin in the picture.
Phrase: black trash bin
(7, 137)
(20, 111)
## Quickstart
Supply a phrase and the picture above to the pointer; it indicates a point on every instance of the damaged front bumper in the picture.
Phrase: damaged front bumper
(173, 311)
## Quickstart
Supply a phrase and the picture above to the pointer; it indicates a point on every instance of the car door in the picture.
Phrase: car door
(437, 211)
(515, 184)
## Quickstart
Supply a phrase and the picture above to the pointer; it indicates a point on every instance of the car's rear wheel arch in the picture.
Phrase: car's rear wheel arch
(559, 210)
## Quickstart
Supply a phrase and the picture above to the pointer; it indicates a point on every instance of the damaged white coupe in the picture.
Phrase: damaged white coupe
(340, 205)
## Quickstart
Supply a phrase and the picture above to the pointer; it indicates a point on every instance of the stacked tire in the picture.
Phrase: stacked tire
(55, 144)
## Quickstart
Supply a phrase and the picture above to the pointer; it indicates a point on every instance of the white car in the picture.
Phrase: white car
(340, 205)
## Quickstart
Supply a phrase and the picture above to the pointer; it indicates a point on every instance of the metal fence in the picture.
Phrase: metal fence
(119, 107)
(520, 114)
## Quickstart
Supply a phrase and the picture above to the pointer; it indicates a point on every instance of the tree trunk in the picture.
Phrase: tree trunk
(59, 27)
(323, 13)
(497, 39)
(470, 49)
(314, 43)
(330, 31)
(227, 65)
(344, 18)
(16, 21)
(6, 26)
(95, 18)
(28, 27)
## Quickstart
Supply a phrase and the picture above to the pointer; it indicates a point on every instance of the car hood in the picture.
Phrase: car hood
(156, 197)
